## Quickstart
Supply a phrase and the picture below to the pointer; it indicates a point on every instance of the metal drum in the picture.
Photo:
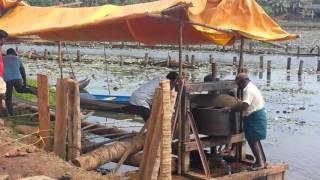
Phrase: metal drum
(214, 123)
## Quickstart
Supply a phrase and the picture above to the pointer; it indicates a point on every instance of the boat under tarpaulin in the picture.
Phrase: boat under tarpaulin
(146, 22)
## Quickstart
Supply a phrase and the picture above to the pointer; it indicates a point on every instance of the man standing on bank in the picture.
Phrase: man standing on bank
(255, 118)
(3, 38)
(15, 76)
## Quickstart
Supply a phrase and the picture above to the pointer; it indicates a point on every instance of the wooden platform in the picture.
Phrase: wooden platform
(272, 172)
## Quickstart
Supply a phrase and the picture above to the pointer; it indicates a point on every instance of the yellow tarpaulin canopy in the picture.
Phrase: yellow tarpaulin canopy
(144, 23)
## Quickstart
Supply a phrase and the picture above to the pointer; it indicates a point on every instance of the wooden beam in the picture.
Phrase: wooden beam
(74, 122)
(212, 86)
(43, 105)
(214, 141)
(60, 130)
(270, 171)
(165, 160)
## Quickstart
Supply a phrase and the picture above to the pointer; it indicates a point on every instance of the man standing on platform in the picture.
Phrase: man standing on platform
(3, 38)
(255, 118)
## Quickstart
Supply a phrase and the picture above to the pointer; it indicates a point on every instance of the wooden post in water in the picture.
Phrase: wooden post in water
(210, 59)
(234, 61)
(146, 59)
(45, 54)
(298, 50)
(74, 122)
(187, 59)
(121, 61)
(300, 68)
(269, 70)
(214, 71)
(193, 60)
(168, 61)
(318, 66)
(250, 46)
(261, 62)
(78, 56)
(287, 48)
(60, 130)
(43, 105)
(289, 64)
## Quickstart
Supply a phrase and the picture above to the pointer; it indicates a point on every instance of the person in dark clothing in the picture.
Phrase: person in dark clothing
(14, 76)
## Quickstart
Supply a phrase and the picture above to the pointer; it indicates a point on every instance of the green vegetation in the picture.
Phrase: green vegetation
(33, 98)
(279, 7)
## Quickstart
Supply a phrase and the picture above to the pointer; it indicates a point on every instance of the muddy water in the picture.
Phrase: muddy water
(293, 106)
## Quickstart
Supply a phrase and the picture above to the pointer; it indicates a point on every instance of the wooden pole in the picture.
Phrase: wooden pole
(168, 61)
(45, 54)
(43, 105)
(180, 47)
(74, 122)
(289, 64)
(298, 50)
(78, 56)
(214, 71)
(121, 61)
(210, 59)
(187, 59)
(234, 61)
(240, 68)
(165, 160)
(60, 60)
(60, 130)
(269, 70)
(193, 60)
(318, 66)
(261, 62)
(300, 72)
(146, 59)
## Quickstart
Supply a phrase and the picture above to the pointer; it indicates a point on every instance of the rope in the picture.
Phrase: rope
(41, 139)
(17, 140)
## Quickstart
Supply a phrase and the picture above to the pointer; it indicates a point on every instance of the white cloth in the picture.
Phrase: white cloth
(2, 86)
(143, 96)
(253, 97)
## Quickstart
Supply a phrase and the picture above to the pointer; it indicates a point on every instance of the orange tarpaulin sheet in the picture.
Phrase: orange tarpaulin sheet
(137, 22)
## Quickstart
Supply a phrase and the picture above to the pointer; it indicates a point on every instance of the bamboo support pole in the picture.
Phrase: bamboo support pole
(74, 122)
(60, 59)
(241, 61)
(60, 130)
(43, 105)
(165, 161)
